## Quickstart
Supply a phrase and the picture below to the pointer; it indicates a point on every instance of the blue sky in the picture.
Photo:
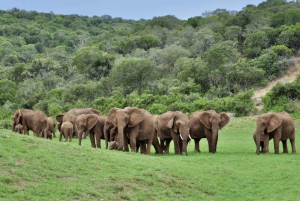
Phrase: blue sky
(128, 9)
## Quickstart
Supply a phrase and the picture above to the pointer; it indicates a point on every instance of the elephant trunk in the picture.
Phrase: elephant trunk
(184, 146)
(257, 141)
(214, 141)
(106, 135)
(184, 137)
(121, 137)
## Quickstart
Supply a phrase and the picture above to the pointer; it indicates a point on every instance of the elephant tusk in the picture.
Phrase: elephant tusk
(181, 136)
(190, 137)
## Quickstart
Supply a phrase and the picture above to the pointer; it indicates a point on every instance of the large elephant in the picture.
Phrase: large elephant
(72, 114)
(92, 123)
(35, 120)
(138, 124)
(174, 125)
(280, 126)
(206, 124)
(110, 130)
(66, 130)
(51, 126)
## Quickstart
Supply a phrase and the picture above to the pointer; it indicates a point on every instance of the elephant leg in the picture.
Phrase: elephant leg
(70, 137)
(66, 137)
(92, 138)
(126, 139)
(162, 145)
(276, 142)
(98, 139)
(209, 140)
(284, 145)
(167, 147)
(197, 149)
(53, 135)
(149, 144)
(266, 143)
(60, 135)
(292, 140)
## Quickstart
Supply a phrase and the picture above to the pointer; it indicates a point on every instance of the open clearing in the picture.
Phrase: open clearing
(37, 169)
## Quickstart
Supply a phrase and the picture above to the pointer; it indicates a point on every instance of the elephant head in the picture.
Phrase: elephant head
(214, 121)
(84, 123)
(180, 124)
(113, 145)
(16, 120)
(266, 123)
(124, 118)
(110, 125)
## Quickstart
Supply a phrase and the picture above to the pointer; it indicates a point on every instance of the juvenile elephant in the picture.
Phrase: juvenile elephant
(174, 125)
(35, 120)
(138, 124)
(262, 137)
(206, 124)
(19, 128)
(51, 126)
(66, 130)
(280, 126)
(92, 123)
(72, 114)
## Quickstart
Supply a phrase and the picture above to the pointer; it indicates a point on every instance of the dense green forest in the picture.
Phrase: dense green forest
(212, 61)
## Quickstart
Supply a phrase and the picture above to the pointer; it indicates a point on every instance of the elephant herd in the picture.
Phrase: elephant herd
(139, 129)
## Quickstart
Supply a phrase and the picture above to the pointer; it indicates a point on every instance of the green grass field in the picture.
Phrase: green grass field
(37, 169)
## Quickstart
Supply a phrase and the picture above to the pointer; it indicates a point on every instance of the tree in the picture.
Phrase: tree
(133, 74)
(8, 91)
(93, 62)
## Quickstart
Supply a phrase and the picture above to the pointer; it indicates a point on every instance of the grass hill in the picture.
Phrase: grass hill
(38, 169)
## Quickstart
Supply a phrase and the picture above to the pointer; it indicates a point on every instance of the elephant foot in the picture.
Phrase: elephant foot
(197, 151)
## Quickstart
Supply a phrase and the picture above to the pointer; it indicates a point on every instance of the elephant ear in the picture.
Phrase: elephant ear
(111, 115)
(91, 121)
(171, 121)
(59, 118)
(275, 122)
(137, 115)
(224, 119)
(205, 119)
(18, 116)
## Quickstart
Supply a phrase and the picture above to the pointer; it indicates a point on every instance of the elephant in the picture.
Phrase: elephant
(279, 126)
(206, 124)
(72, 114)
(19, 128)
(92, 123)
(113, 145)
(66, 130)
(137, 123)
(262, 137)
(110, 130)
(51, 126)
(35, 120)
(174, 125)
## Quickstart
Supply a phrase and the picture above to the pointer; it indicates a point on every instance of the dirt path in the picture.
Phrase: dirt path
(289, 76)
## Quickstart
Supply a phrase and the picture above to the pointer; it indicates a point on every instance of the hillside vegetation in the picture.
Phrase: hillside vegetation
(37, 169)
(212, 61)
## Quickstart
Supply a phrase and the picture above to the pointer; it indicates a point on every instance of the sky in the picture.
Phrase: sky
(128, 9)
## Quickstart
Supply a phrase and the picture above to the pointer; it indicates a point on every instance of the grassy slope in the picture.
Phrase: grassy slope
(37, 169)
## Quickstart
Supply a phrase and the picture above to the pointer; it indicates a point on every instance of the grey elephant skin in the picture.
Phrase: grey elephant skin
(280, 126)
(174, 125)
(34, 120)
(71, 115)
(66, 130)
(92, 123)
(51, 126)
(206, 124)
(137, 123)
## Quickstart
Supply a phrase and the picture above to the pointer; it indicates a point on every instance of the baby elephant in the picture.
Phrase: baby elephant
(113, 145)
(66, 130)
(19, 128)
